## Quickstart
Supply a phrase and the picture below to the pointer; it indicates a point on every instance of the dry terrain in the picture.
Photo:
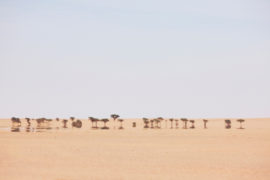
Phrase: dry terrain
(136, 153)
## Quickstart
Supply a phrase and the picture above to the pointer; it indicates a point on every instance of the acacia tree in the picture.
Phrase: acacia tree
(166, 123)
(92, 121)
(176, 123)
(77, 124)
(16, 124)
(228, 124)
(157, 122)
(152, 123)
(192, 124)
(115, 116)
(65, 123)
(121, 123)
(96, 122)
(28, 121)
(160, 119)
(184, 120)
(204, 123)
(240, 121)
(57, 120)
(171, 120)
(47, 123)
(105, 121)
(16, 121)
(73, 123)
(72, 118)
(41, 123)
(146, 122)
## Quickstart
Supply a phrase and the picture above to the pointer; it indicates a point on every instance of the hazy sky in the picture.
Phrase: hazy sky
(136, 58)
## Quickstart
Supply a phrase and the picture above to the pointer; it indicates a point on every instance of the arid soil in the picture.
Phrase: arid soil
(215, 153)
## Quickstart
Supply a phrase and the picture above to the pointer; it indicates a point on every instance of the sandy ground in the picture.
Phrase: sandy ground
(135, 153)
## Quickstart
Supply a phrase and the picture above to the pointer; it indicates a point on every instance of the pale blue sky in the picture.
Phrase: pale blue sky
(138, 58)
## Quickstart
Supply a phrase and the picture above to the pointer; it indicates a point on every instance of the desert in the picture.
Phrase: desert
(136, 152)
(134, 90)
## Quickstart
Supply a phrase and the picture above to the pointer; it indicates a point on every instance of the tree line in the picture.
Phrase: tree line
(171, 123)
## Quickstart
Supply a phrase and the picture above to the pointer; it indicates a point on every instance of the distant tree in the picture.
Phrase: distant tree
(64, 123)
(176, 123)
(48, 120)
(16, 121)
(47, 123)
(192, 124)
(157, 122)
(240, 121)
(92, 121)
(28, 121)
(115, 116)
(43, 123)
(57, 120)
(73, 123)
(184, 120)
(105, 121)
(228, 124)
(171, 120)
(121, 123)
(166, 120)
(77, 123)
(16, 124)
(160, 119)
(72, 118)
(96, 120)
(152, 123)
(204, 123)
(40, 122)
(146, 122)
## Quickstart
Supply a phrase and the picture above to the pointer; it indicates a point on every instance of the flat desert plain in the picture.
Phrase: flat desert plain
(136, 153)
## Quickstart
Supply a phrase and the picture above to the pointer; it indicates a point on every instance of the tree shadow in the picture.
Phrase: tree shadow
(15, 129)
(28, 128)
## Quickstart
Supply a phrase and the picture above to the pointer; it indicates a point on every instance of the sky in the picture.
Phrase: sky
(143, 58)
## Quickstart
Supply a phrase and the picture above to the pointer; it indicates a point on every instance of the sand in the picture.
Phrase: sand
(135, 153)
